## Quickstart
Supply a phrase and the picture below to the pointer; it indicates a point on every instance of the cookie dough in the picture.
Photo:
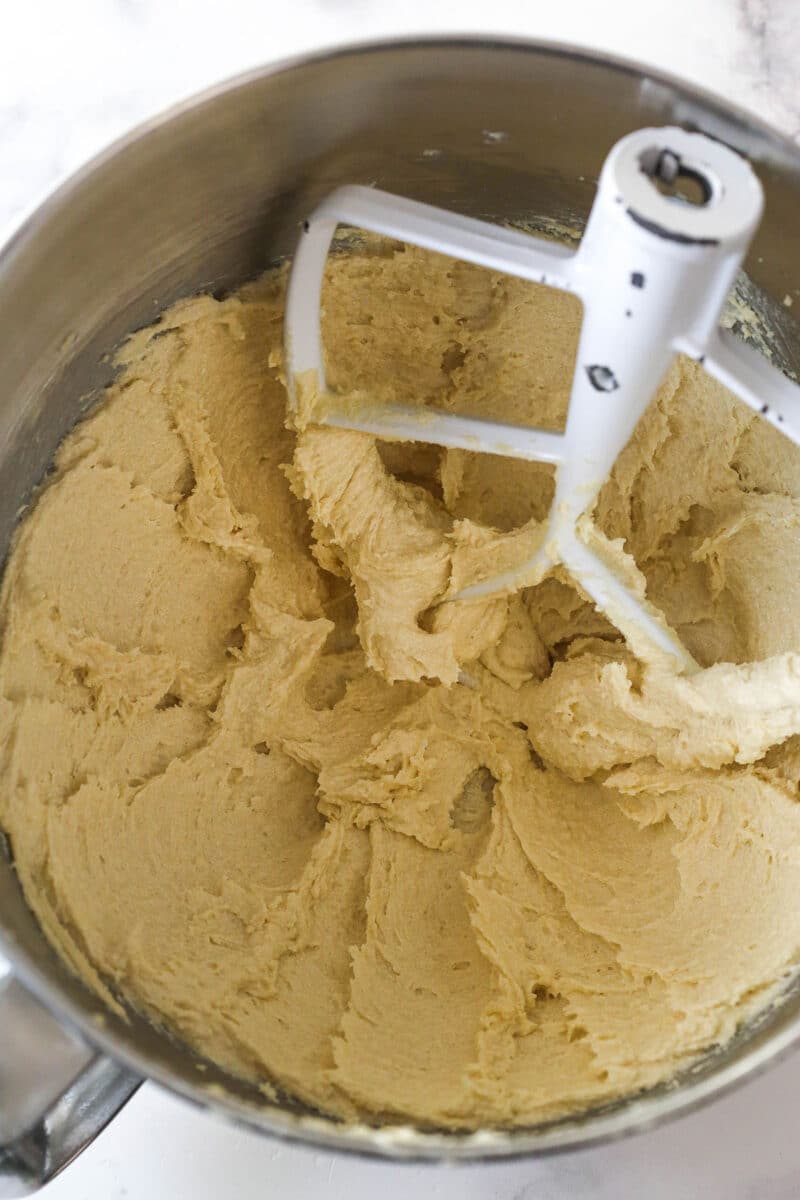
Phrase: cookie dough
(404, 858)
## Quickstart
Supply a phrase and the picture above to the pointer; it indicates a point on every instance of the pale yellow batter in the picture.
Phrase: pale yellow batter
(462, 863)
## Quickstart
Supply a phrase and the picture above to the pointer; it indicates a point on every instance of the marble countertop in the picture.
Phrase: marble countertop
(75, 75)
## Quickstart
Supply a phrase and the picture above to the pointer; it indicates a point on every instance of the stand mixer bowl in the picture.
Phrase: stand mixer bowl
(206, 197)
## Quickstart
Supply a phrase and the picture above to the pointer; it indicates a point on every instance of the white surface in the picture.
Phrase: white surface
(76, 73)
(744, 1147)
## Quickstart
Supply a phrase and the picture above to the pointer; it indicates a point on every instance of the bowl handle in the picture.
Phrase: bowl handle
(56, 1092)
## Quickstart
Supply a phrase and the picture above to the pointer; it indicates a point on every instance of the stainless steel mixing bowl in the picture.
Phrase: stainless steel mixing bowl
(206, 197)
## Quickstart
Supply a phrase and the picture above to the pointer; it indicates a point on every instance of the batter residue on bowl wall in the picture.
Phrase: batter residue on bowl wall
(461, 863)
